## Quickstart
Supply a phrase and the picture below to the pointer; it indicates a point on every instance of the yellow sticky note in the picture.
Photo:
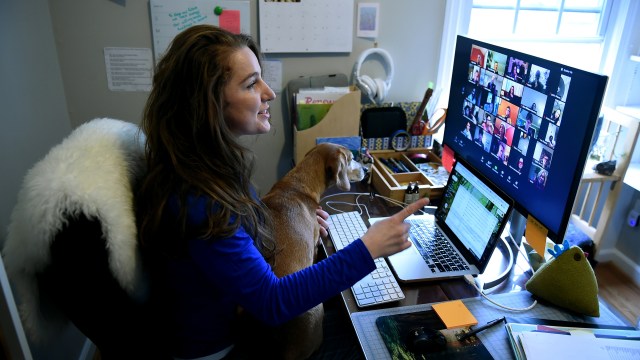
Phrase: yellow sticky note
(454, 314)
(536, 235)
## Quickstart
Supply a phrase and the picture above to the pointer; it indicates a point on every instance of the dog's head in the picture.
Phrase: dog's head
(340, 167)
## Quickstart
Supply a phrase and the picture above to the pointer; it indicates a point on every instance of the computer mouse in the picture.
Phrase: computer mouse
(422, 340)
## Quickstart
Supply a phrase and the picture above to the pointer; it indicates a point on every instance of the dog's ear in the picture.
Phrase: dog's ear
(339, 164)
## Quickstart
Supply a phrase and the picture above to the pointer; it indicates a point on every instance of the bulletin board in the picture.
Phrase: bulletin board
(169, 17)
(306, 26)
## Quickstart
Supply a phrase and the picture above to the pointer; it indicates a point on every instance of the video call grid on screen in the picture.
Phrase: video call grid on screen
(528, 121)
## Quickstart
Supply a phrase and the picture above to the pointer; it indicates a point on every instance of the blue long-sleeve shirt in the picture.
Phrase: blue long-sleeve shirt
(204, 289)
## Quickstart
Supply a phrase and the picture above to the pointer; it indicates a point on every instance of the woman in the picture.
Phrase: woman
(467, 131)
(205, 233)
(541, 179)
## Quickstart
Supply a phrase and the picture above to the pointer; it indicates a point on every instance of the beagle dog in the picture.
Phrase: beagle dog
(292, 202)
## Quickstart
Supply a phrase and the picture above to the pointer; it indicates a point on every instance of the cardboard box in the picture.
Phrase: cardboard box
(342, 120)
(393, 185)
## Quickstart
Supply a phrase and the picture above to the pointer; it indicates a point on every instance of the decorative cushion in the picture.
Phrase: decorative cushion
(567, 281)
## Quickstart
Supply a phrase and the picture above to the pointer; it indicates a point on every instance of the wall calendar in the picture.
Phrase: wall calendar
(306, 26)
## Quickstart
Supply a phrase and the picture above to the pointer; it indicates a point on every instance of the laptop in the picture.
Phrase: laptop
(464, 230)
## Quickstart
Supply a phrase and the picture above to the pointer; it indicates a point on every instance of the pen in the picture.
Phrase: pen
(480, 328)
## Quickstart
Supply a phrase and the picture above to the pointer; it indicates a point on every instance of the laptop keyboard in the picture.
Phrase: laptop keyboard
(380, 286)
(435, 249)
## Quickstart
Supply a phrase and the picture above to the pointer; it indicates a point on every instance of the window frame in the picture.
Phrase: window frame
(456, 22)
(604, 10)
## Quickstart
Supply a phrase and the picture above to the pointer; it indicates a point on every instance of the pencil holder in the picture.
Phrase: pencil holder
(567, 281)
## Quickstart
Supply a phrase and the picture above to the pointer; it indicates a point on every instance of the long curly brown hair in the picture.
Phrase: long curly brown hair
(190, 148)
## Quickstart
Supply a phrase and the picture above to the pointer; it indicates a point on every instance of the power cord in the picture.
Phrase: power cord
(469, 279)
(362, 208)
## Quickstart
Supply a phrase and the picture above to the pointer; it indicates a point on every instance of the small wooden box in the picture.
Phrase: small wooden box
(393, 185)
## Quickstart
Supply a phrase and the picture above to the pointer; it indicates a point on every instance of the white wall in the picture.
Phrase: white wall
(34, 118)
(34, 112)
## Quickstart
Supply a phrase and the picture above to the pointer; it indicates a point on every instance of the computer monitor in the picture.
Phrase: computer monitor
(526, 123)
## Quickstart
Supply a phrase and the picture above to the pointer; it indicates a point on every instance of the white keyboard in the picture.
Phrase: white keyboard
(380, 286)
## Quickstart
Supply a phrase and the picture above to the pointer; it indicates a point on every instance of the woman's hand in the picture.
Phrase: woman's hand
(391, 235)
(322, 217)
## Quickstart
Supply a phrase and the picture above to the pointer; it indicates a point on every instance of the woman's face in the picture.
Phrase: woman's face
(246, 108)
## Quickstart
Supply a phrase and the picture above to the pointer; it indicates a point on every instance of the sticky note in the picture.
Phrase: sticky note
(454, 314)
(447, 158)
(536, 235)
(230, 20)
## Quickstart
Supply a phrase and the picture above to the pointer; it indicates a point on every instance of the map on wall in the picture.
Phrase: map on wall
(306, 26)
(169, 17)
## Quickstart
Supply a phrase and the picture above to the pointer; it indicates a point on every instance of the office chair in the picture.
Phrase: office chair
(71, 250)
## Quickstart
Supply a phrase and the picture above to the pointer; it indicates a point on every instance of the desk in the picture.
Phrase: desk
(418, 295)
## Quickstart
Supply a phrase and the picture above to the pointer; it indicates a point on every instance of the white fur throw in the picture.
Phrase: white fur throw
(92, 172)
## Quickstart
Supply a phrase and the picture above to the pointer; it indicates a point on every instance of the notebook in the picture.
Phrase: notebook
(461, 236)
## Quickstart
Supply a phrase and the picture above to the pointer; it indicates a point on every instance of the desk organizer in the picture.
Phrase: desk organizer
(393, 185)
(384, 143)
(342, 120)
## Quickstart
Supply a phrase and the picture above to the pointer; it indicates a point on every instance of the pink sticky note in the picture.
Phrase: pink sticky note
(230, 20)
(448, 158)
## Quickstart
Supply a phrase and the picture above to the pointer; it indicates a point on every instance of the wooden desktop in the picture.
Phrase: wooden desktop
(335, 200)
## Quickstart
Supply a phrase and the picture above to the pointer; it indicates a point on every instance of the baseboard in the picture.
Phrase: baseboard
(622, 262)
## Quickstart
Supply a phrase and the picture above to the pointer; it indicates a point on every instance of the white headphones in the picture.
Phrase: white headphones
(376, 89)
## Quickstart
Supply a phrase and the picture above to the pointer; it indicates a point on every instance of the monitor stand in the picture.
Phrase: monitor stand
(517, 225)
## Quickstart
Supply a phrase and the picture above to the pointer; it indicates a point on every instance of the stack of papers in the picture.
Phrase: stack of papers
(536, 341)
(313, 104)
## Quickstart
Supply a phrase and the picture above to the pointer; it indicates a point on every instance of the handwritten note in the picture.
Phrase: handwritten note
(170, 17)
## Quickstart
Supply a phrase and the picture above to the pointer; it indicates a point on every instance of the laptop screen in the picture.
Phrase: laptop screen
(474, 210)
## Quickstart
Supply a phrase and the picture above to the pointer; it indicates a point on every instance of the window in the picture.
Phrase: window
(586, 34)
(567, 31)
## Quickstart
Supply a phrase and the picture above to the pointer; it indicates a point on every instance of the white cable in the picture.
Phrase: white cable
(469, 279)
(526, 257)
(363, 206)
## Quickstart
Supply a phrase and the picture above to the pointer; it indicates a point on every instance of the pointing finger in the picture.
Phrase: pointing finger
(411, 208)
